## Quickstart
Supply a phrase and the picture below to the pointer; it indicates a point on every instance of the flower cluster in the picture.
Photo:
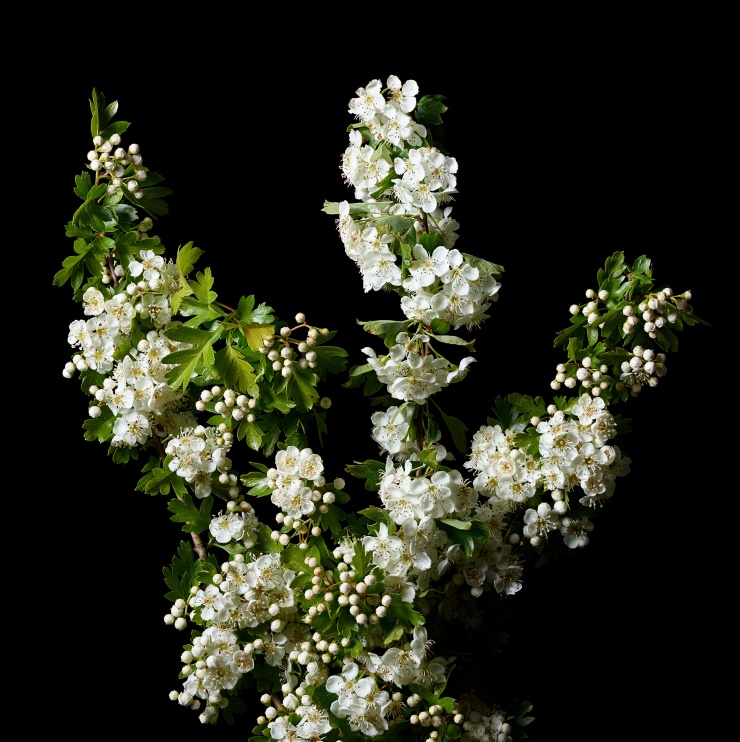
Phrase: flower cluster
(347, 620)
(412, 374)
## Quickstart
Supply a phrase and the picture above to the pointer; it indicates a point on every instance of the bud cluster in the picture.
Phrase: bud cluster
(655, 312)
(284, 350)
(227, 403)
(123, 167)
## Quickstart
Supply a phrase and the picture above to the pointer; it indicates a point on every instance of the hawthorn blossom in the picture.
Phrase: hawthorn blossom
(385, 548)
(540, 522)
(575, 532)
(227, 527)
(403, 95)
(391, 426)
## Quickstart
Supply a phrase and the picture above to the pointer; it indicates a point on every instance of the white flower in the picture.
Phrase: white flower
(210, 601)
(402, 95)
(540, 522)
(461, 371)
(227, 527)
(348, 686)
(314, 721)
(368, 102)
(425, 269)
(588, 409)
(93, 301)
(575, 532)
(385, 548)
(149, 267)
(390, 427)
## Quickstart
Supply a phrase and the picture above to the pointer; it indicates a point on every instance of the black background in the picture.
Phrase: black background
(560, 165)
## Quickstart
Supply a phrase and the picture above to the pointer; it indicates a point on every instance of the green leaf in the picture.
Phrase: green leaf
(528, 407)
(387, 329)
(332, 519)
(185, 571)
(186, 361)
(329, 359)
(465, 538)
(159, 480)
(643, 264)
(255, 334)
(462, 525)
(455, 340)
(369, 470)
(576, 327)
(456, 427)
(404, 612)
(187, 257)
(254, 478)
(667, 339)
(263, 540)
(394, 635)
(378, 515)
(395, 224)
(194, 519)
(440, 327)
(100, 428)
(251, 433)
(485, 267)
(262, 315)
(301, 388)
(613, 267)
(202, 287)
(237, 372)
(429, 110)
(362, 560)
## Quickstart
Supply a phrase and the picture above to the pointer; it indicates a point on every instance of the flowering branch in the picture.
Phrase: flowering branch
(346, 622)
